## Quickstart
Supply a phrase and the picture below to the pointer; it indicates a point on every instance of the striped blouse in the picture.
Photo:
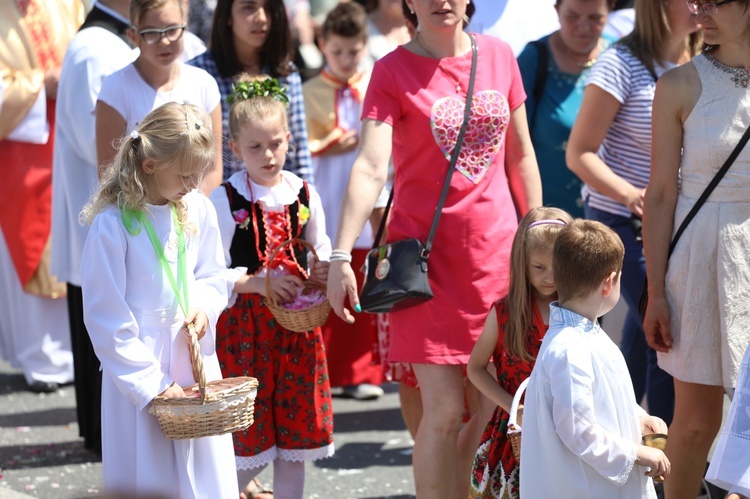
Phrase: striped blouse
(626, 149)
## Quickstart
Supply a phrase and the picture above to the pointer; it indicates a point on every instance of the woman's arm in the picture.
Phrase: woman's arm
(480, 357)
(110, 128)
(673, 90)
(366, 180)
(597, 112)
(520, 163)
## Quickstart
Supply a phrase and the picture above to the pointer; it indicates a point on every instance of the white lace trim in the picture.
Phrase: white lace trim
(275, 198)
(296, 455)
(307, 454)
(256, 461)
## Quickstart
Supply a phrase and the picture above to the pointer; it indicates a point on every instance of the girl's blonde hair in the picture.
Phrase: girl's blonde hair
(648, 39)
(520, 295)
(256, 98)
(171, 135)
(138, 9)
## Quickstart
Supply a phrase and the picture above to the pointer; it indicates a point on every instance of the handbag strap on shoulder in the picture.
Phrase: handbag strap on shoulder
(709, 189)
(451, 166)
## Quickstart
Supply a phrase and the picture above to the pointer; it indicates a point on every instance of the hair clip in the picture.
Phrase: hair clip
(135, 137)
(269, 87)
(198, 124)
(546, 222)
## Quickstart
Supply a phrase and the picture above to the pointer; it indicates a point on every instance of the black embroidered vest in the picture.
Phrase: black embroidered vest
(249, 244)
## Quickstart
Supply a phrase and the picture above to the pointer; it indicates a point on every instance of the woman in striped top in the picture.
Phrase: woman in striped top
(610, 149)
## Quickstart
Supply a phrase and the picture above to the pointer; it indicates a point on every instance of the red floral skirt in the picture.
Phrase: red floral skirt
(293, 407)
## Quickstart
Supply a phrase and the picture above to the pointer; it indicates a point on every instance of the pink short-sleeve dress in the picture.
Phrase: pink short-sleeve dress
(423, 100)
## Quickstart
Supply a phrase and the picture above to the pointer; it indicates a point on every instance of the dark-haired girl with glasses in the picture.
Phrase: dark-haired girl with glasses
(698, 317)
(156, 77)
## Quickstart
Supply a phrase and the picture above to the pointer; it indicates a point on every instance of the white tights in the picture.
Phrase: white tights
(288, 478)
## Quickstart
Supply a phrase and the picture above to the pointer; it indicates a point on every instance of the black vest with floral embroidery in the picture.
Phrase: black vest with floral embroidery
(249, 243)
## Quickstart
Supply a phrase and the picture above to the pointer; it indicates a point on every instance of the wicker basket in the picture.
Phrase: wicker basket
(514, 429)
(304, 319)
(207, 409)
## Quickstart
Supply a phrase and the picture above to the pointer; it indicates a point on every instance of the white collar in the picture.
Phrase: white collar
(272, 198)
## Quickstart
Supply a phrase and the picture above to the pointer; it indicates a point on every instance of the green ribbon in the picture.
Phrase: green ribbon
(129, 217)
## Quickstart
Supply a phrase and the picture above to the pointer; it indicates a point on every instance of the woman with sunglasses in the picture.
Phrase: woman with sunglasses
(697, 317)
(156, 77)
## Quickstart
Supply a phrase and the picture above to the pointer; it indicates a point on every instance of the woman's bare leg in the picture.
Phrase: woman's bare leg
(411, 407)
(697, 420)
(436, 447)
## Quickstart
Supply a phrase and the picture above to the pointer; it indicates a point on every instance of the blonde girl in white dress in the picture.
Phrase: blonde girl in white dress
(154, 264)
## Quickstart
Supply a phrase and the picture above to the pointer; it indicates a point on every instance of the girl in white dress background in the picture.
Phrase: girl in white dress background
(139, 296)
(156, 77)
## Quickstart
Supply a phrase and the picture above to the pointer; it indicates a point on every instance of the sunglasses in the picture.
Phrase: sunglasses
(708, 8)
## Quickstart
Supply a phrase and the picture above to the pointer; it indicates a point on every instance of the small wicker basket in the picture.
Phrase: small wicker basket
(301, 320)
(514, 429)
(207, 409)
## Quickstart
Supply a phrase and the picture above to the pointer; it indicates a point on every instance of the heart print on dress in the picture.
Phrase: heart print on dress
(485, 132)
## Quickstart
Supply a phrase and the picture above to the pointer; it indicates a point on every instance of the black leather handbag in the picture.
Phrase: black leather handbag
(396, 274)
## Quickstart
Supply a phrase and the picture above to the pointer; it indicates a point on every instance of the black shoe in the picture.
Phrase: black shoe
(44, 386)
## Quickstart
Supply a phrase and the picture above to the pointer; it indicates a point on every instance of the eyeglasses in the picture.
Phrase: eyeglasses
(171, 33)
(708, 8)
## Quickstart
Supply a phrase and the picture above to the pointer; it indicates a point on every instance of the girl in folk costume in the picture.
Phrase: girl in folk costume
(333, 100)
(512, 336)
(258, 209)
(153, 267)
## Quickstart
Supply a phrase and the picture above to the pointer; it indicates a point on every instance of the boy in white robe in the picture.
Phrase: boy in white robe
(582, 428)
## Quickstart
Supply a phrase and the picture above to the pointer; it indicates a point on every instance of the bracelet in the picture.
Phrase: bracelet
(340, 256)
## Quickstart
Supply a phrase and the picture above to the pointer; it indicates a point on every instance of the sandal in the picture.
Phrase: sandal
(255, 489)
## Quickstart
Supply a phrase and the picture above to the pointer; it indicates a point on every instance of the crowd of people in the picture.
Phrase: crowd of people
(164, 155)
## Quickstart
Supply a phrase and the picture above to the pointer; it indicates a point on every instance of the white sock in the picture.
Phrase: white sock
(288, 479)
(244, 477)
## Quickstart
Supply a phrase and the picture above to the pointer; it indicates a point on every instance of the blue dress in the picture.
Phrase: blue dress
(550, 122)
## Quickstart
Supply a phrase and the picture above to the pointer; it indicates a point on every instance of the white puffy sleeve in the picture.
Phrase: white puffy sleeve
(209, 291)
(574, 412)
(113, 329)
(316, 227)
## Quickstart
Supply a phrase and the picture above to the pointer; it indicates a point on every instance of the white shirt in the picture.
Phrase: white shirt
(128, 94)
(516, 22)
(93, 54)
(581, 425)
(134, 321)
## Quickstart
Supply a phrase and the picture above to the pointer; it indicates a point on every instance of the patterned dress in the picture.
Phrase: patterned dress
(495, 471)
(293, 410)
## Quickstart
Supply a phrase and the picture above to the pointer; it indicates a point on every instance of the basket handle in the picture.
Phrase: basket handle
(269, 294)
(196, 361)
(513, 425)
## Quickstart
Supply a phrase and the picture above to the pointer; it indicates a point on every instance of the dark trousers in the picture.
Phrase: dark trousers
(88, 378)
(648, 378)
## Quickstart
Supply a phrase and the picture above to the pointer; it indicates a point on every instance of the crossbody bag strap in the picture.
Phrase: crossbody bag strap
(709, 189)
(451, 166)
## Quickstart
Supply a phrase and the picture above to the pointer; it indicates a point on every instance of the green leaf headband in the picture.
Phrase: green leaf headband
(258, 88)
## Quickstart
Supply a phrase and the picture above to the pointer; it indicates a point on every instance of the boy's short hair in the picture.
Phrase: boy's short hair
(347, 20)
(585, 253)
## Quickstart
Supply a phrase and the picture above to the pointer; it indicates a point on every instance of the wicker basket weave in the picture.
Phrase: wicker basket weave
(304, 319)
(207, 409)
(514, 429)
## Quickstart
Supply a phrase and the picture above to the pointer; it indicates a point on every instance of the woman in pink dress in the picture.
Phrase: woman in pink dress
(414, 106)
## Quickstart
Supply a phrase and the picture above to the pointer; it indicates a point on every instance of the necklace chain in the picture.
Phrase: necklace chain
(446, 73)
(740, 76)
(570, 53)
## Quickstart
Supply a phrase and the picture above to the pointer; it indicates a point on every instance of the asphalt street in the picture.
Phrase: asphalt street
(41, 454)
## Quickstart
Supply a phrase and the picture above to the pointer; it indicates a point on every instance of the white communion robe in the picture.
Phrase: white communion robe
(134, 321)
(93, 54)
(581, 425)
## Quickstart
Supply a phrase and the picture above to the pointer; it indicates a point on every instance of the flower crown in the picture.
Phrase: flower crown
(258, 88)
